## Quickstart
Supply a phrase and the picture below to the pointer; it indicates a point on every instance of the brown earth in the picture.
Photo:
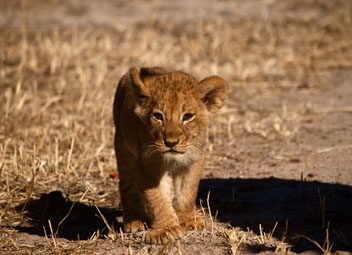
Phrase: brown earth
(279, 166)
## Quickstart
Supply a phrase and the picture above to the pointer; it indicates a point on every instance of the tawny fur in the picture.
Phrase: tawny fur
(161, 119)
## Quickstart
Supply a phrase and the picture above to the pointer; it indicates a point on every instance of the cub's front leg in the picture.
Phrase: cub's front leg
(134, 215)
(163, 219)
(186, 187)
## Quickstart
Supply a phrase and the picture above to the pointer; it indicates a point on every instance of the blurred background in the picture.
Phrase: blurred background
(287, 118)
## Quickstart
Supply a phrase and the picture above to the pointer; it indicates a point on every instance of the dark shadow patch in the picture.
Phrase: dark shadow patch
(301, 209)
(70, 220)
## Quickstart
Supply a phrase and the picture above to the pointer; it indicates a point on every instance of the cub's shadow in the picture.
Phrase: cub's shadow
(301, 209)
(68, 219)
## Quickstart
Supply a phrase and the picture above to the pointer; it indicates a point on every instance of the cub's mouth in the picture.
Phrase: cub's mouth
(173, 151)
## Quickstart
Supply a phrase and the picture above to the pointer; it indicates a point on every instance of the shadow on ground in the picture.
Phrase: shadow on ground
(70, 220)
(301, 209)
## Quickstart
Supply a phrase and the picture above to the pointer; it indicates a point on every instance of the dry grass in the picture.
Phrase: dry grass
(57, 87)
(239, 239)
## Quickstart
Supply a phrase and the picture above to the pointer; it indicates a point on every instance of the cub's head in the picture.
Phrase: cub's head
(174, 107)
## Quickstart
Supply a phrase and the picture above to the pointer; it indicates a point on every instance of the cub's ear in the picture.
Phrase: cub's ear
(151, 71)
(137, 82)
(138, 76)
(213, 91)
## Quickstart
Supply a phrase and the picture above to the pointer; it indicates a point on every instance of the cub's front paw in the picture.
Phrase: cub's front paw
(164, 235)
(133, 226)
(197, 223)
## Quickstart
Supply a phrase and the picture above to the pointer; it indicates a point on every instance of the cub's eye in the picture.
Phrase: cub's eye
(187, 117)
(158, 116)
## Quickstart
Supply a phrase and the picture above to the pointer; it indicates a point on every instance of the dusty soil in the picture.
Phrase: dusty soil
(279, 168)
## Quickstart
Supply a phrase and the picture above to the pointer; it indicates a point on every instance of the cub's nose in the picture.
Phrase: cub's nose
(171, 142)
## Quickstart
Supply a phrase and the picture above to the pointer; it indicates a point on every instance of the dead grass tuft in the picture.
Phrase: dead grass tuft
(240, 241)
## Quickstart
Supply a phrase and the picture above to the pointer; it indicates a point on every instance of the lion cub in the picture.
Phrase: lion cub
(161, 119)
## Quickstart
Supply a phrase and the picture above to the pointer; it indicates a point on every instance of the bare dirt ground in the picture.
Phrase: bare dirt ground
(279, 171)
